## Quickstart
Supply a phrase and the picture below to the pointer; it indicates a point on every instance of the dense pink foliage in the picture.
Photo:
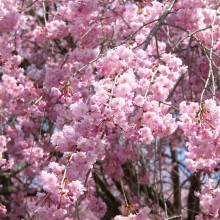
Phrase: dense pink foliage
(109, 109)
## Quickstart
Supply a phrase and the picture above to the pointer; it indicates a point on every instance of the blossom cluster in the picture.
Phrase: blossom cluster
(200, 124)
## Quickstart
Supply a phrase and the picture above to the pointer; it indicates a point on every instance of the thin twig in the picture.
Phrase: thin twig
(210, 74)
(190, 35)
(44, 11)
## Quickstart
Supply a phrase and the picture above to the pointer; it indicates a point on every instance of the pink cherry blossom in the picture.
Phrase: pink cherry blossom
(109, 109)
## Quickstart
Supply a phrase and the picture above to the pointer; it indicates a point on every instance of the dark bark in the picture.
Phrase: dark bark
(193, 201)
(176, 182)
(111, 202)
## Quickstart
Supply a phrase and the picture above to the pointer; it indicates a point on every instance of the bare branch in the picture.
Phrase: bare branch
(157, 26)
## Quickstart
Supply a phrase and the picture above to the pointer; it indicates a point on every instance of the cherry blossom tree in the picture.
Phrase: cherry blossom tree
(109, 109)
